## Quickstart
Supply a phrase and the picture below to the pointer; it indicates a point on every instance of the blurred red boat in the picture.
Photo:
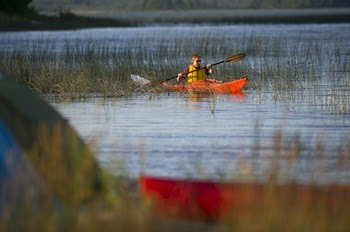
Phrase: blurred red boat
(191, 198)
(210, 200)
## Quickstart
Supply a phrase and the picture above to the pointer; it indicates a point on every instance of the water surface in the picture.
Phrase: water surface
(180, 135)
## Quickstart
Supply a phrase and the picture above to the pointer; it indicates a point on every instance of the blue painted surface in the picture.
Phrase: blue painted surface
(10, 154)
(11, 158)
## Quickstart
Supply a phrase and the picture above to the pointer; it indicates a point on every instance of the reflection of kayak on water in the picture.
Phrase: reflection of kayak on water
(211, 200)
(205, 86)
(233, 97)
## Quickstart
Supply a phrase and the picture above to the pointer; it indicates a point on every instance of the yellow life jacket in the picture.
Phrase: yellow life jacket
(195, 76)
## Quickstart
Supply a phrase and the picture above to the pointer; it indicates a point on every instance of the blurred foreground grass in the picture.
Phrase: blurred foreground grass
(60, 192)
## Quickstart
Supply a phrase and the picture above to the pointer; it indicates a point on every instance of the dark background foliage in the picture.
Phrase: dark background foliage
(15, 6)
(187, 4)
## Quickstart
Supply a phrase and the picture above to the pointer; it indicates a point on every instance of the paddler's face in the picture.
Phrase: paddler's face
(197, 63)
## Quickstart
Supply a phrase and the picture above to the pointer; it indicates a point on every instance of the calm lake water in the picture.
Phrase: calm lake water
(216, 137)
(179, 135)
(118, 38)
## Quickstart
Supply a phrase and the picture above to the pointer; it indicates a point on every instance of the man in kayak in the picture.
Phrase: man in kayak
(195, 71)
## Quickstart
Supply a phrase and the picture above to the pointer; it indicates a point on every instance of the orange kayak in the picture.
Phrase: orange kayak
(205, 86)
(212, 200)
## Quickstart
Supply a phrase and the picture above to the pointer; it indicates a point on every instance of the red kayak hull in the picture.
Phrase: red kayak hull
(191, 198)
(210, 200)
(204, 86)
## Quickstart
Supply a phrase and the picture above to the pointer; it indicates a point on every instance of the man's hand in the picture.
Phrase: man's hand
(179, 77)
(209, 69)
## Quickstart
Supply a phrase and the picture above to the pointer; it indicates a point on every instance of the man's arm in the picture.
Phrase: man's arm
(183, 74)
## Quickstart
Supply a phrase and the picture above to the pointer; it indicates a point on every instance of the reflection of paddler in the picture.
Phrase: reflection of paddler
(193, 97)
(41, 157)
(236, 97)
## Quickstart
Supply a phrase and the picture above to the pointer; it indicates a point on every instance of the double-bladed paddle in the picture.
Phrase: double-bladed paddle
(143, 81)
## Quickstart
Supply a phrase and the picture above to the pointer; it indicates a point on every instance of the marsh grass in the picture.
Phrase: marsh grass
(298, 69)
(54, 193)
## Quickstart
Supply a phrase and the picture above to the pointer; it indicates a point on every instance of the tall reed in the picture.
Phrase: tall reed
(292, 68)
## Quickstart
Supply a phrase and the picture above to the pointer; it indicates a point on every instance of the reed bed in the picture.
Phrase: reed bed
(297, 68)
(50, 195)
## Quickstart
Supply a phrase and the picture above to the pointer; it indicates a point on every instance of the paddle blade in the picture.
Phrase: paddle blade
(141, 81)
(236, 57)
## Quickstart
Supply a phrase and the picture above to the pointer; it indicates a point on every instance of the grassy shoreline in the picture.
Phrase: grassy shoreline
(314, 70)
(89, 68)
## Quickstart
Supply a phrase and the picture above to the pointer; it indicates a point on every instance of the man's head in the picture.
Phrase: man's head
(196, 60)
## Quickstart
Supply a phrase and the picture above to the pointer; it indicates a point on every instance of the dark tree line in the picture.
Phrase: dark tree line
(241, 4)
(176, 4)
(15, 6)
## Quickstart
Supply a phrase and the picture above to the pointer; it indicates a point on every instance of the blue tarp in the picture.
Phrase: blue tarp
(10, 155)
